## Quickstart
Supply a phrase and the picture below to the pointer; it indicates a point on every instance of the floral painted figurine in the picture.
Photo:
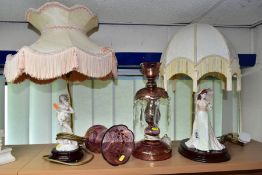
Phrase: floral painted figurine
(64, 110)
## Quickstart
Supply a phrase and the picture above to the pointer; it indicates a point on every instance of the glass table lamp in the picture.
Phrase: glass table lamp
(151, 110)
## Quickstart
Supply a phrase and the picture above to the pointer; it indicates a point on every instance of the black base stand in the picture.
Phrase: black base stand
(67, 156)
(203, 156)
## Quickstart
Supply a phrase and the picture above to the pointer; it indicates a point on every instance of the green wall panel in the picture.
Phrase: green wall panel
(83, 106)
(123, 102)
(183, 109)
(103, 102)
(40, 113)
(18, 113)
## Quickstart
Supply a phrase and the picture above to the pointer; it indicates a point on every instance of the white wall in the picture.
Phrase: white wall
(15, 35)
(252, 93)
(122, 38)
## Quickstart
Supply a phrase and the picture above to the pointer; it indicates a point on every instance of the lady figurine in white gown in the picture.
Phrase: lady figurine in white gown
(203, 137)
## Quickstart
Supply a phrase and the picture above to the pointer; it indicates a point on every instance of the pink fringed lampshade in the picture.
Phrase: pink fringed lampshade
(63, 49)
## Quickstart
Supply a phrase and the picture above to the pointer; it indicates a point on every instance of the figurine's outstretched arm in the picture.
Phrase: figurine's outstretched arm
(70, 110)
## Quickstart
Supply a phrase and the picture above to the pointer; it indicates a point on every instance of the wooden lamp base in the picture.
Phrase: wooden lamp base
(152, 150)
(212, 156)
(67, 156)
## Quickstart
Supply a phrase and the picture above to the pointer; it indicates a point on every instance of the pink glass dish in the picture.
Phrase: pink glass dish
(117, 145)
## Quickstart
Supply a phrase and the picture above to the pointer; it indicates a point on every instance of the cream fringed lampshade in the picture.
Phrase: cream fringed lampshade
(200, 50)
(63, 49)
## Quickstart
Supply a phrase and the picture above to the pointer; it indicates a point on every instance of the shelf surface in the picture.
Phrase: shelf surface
(30, 162)
(23, 154)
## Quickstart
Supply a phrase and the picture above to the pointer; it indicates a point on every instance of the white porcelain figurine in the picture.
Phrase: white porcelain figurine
(64, 111)
(203, 137)
(5, 153)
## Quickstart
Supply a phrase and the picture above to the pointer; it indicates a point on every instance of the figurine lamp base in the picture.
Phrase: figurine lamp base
(203, 156)
(67, 156)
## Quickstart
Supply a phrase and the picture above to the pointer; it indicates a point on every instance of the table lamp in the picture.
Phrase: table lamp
(151, 107)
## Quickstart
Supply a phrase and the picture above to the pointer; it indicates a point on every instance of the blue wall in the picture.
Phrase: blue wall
(133, 59)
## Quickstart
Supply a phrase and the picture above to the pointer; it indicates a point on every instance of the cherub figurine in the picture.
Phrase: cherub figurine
(64, 110)
(203, 137)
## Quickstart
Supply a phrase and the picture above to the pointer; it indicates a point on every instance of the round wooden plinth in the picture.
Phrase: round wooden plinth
(203, 156)
(152, 150)
(67, 156)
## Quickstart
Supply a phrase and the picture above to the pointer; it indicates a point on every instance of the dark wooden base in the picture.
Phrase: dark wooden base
(67, 156)
(212, 156)
(152, 150)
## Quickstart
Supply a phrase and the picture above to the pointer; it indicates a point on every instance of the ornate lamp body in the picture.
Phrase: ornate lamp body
(151, 104)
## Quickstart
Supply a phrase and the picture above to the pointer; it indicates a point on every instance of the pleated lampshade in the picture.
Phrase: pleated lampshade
(63, 49)
(198, 51)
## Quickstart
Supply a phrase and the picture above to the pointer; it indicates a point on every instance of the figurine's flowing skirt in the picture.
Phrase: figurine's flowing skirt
(203, 137)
